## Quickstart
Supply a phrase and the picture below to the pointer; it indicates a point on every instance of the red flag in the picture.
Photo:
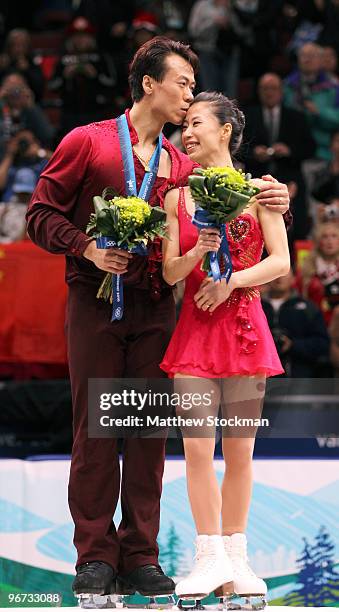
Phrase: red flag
(32, 305)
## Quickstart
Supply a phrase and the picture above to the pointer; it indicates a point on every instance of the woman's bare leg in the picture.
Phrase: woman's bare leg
(202, 485)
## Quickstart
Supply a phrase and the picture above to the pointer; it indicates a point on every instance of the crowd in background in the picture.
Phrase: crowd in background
(64, 64)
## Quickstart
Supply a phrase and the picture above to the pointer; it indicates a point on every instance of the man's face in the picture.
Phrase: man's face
(172, 97)
(270, 91)
(281, 286)
(309, 59)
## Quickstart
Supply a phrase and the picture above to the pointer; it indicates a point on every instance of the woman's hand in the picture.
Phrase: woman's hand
(208, 240)
(211, 294)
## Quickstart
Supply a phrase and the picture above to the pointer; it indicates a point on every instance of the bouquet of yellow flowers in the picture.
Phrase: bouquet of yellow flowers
(220, 195)
(128, 223)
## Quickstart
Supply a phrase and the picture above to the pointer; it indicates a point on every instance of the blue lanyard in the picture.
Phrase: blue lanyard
(128, 162)
(131, 190)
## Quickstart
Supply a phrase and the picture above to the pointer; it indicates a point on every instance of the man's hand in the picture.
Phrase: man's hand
(272, 194)
(311, 107)
(112, 260)
(260, 153)
(286, 344)
(281, 149)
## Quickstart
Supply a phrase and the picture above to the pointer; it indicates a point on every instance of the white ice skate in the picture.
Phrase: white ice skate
(245, 583)
(212, 568)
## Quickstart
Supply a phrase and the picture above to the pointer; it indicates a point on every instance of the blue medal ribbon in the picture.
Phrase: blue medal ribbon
(131, 190)
(202, 220)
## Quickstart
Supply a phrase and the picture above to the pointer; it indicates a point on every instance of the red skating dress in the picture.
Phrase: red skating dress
(235, 340)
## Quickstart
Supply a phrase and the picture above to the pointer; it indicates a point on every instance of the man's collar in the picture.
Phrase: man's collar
(132, 130)
(134, 134)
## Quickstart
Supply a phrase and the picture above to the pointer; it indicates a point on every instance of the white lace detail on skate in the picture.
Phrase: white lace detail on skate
(240, 563)
(203, 563)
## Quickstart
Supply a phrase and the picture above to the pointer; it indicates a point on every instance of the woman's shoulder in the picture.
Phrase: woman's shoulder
(173, 195)
(253, 209)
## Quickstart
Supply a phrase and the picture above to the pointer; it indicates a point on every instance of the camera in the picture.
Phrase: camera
(14, 93)
(23, 145)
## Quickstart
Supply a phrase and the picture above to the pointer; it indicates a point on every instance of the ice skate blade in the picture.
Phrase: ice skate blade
(197, 606)
(93, 600)
(152, 604)
(232, 603)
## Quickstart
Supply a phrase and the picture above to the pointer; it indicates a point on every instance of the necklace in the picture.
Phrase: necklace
(144, 162)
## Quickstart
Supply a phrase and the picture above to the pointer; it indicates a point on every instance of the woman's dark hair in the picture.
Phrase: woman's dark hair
(226, 111)
(150, 59)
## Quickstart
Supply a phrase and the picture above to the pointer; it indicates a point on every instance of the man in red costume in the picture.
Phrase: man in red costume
(87, 160)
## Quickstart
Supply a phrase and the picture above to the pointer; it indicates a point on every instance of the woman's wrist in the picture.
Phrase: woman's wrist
(234, 281)
(193, 254)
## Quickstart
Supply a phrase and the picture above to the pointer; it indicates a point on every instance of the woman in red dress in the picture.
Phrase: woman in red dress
(222, 343)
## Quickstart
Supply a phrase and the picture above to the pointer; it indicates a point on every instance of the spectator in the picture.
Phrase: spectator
(18, 57)
(319, 278)
(279, 140)
(329, 35)
(18, 111)
(330, 64)
(326, 190)
(173, 18)
(298, 328)
(111, 20)
(254, 24)
(22, 151)
(13, 213)
(210, 28)
(334, 337)
(144, 27)
(84, 78)
(309, 90)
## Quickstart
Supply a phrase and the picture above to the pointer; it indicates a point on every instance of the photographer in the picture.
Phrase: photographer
(18, 56)
(13, 212)
(84, 78)
(298, 328)
(22, 151)
(18, 111)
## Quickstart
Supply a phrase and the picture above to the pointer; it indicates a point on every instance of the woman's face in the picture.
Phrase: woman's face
(202, 135)
(329, 240)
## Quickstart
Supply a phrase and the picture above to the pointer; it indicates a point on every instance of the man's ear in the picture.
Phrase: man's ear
(147, 83)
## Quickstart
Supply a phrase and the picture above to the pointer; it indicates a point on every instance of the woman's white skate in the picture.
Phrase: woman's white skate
(212, 568)
(249, 591)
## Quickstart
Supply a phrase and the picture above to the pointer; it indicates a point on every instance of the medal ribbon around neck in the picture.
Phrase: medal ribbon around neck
(131, 190)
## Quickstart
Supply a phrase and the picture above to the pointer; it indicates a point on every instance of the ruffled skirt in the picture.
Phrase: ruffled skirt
(235, 340)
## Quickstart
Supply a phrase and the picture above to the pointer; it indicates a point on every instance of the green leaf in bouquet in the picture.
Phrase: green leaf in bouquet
(157, 214)
(229, 196)
(104, 223)
(199, 171)
(211, 184)
(109, 191)
(91, 225)
(197, 187)
(115, 215)
(99, 204)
